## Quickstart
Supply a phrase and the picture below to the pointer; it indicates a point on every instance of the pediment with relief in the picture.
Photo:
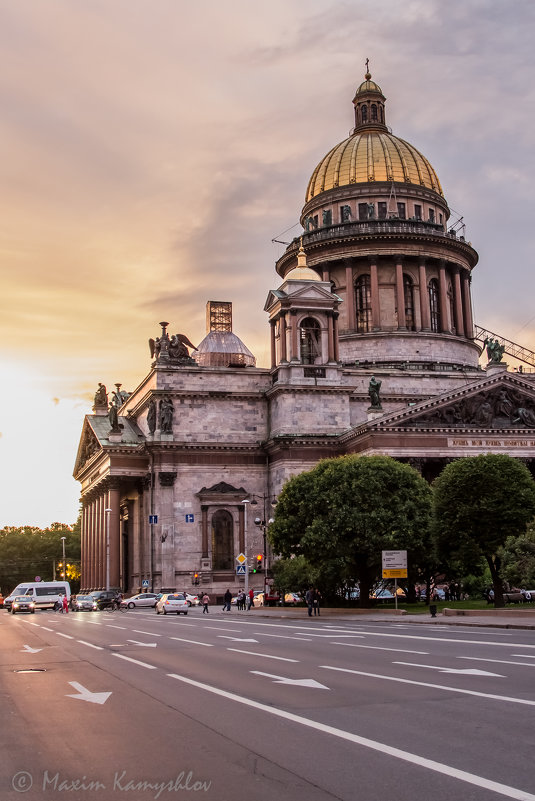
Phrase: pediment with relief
(504, 403)
(89, 445)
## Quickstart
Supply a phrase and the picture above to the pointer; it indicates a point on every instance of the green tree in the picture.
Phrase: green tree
(345, 511)
(28, 551)
(518, 559)
(294, 575)
(479, 502)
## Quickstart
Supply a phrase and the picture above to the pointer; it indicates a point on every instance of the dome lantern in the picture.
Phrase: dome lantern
(369, 103)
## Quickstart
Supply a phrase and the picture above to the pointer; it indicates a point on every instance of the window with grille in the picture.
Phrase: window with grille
(408, 294)
(363, 303)
(310, 337)
(434, 308)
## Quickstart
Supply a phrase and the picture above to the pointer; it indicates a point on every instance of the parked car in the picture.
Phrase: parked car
(1, 600)
(143, 599)
(22, 603)
(172, 602)
(83, 603)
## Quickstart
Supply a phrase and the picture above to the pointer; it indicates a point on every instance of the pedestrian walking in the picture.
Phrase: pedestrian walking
(65, 604)
(309, 598)
(251, 599)
(316, 600)
(227, 598)
(205, 602)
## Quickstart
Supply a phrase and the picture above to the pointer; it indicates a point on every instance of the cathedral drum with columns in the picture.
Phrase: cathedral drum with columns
(373, 350)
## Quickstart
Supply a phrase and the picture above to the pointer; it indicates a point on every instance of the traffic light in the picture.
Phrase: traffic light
(195, 578)
(258, 564)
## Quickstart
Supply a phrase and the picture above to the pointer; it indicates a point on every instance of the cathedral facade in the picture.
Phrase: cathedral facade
(373, 350)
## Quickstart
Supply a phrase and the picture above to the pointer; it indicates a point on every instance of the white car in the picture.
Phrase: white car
(172, 602)
(193, 600)
(143, 599)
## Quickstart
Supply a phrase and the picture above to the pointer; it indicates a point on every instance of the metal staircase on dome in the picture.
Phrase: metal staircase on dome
(516, 351)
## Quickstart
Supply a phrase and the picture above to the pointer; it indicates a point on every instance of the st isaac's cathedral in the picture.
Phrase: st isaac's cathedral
(373, 350)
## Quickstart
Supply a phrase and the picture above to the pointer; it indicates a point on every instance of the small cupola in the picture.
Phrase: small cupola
(369, 103)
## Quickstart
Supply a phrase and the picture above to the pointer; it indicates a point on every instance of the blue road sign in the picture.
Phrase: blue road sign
(153, 519)
(241, 570)
(190, 518)
(145, 583)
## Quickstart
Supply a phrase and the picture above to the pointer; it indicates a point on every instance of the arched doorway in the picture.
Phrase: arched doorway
(222, 540)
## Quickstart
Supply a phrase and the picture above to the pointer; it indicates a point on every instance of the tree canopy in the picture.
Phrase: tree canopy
(28, 551)
(479, 502)
(345, 511)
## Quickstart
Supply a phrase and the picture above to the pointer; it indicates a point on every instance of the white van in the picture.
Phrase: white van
(44, 593)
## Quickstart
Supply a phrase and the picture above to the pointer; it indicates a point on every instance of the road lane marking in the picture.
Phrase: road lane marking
(354, 636)
(498, 661)
(379, 648)
(136, 661)
(216, 628)
(84, 694)
(90, 644)
(146, 644)
(525, 656)
(265, 656)
(150, 633)
(397, 753)
(441, 669)
(281, 636)
(47, 629)
(432, 686)
(236, 639)
(449, 639)
(67, 636)
(193, 642)
(110, 626)
(294, 682)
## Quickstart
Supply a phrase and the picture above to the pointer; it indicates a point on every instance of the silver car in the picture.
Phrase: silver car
(83, 603)
(172, 602)
(22, 603)
(143, 599)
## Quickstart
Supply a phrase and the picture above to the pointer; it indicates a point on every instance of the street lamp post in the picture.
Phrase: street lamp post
(64, 565)
(246, 502)
(107, 513)
(263, 523)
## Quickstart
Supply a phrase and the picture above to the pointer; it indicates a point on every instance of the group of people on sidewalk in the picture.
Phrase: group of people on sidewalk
(244, 601)
(313, 601)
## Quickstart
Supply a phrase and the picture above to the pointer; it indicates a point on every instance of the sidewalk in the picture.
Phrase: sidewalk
(490, 618)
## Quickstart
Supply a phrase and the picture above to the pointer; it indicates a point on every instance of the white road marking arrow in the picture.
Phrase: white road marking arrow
(295, 682)
(86, 695)
(29, 650)
(146, 644)
(468, 672)
(235, 639)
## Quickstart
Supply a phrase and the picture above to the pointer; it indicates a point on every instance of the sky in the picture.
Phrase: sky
(151, 150)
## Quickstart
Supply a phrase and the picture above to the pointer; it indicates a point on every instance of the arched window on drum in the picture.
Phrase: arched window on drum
(222, 541)
(434, 308)
(363, 303)
(408, 294)
(310, 340)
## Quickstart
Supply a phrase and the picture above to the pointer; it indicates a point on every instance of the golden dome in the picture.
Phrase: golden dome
(302, 272)
(368, 86)
(371, 156)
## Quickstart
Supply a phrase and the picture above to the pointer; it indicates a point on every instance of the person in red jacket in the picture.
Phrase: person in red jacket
(65, 604)
(251, 599)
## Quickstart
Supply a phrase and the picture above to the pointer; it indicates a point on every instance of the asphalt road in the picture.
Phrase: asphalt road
(230, 706)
